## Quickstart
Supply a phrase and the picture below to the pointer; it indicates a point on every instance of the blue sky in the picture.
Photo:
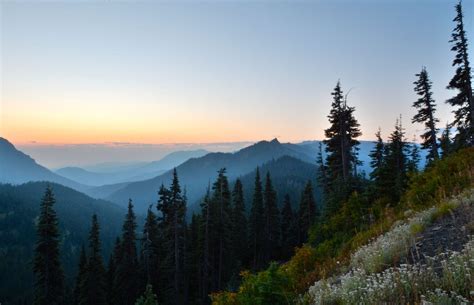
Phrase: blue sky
(216, 71)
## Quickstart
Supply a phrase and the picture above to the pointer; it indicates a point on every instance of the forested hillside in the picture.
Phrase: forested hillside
(19, 208)
(271, 224)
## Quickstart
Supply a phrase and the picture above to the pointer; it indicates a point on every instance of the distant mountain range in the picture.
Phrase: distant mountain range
(17, 167)
(19, 209)
(123, 173)
(195, 174)
(196, 169)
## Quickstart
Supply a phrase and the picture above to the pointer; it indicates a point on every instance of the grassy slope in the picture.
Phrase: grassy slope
(285, 283)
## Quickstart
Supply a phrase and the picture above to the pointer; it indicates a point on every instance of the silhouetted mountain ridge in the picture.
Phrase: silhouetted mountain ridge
(196, 173)
(16, 167)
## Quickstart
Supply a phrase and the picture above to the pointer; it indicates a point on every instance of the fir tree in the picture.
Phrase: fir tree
(172, 205)
(49, 277)
(445, 142)
(126, 279)
(80, 275)
(151, 251)
(289, 229)
(426, 108)
(257, 224)
(341, 148)
(221, 202)
(461, 82)
(93, 285)
(194, 267)
(272, 221)
(322, 170)
(412, 166)
(239, 226)
(205, 285)
(111, 273)
(393, 180)
(377, 156)
(307, 212)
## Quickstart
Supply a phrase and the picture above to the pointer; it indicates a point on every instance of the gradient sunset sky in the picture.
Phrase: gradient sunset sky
(216, 71)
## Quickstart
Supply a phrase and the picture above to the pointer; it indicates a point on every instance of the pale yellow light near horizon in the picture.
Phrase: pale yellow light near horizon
(57, 119)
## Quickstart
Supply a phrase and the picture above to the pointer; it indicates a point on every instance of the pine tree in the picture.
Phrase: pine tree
(412, 166)
(239, 227)
(126, 278)
(377, 156)
(150, 253)
(80, 275)
(341, 149)
(272, 221)
(307, 212)
(461, 81)
(148, 298)
(257, 224)
(222, 229)
(205, 256)
(93, 285)
(322, 170)
(393, 178)
(445, 142)
(111, 273)
(426, 108)
(172, 205)
(194, 268)
(49, 277)
(289, 229)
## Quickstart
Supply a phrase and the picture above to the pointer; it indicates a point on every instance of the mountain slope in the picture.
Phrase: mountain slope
(367, 251)
(196, 173)
(289, 176)
(19, 208)
(17, 167)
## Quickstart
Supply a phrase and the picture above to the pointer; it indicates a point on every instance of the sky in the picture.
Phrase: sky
(154, 72)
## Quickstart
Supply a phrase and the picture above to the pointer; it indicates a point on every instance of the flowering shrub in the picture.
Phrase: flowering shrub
(406, 284)
(285, 284)
(389, 247)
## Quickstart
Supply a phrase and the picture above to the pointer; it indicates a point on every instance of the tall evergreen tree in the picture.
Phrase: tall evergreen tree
(80, 275)
(414, 161)
(239, 226)
(377, 156)
(126, 278)
(111, 273)
(93, 285)
(194, 267)
(49, 277)
(461, 81)
(426, 108)
(222, 227)
(445, 142)
(341, 148)
(205, 285)
(257, 224)
(289, 229)
(172, 205)
(393, 180)
(150, 253)
(272, 221)
(322, 170)
(307, 212)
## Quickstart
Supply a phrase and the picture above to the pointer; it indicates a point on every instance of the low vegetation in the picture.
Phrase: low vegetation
(362, 256)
